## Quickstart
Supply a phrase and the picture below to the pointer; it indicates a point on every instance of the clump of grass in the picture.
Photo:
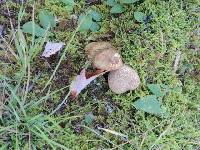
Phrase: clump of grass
(21, 127)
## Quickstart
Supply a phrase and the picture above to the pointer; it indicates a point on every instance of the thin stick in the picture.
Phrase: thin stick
(176, 61)
(101, 136)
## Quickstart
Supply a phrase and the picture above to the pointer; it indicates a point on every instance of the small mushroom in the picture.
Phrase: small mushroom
(95, 47)
(103, 56)
(123, 80)
(108, 60)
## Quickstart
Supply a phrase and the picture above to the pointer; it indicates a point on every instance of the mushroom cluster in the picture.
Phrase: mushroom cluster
(121, 77)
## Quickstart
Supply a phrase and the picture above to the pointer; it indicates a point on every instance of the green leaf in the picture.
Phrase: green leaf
(128, 1)
(46, 19)
(94, 27)
(85, 22)
(139, 16)
(68, 2)
(95, 15)
(110, 2)
(117, 9)
(89, 118)
(155, 89)
(29, 26)
(148, 104)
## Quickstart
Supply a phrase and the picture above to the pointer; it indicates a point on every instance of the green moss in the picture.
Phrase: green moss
(150, 48)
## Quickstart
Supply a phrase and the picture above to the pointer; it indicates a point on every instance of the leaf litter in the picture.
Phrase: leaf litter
(81, 81)
(52, 48)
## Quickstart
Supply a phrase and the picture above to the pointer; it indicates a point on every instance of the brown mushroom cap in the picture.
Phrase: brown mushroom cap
(108, 60)
(95, 47)
(123, 80)
(103, 56)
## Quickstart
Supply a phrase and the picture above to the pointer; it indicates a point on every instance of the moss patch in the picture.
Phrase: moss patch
(148, 47)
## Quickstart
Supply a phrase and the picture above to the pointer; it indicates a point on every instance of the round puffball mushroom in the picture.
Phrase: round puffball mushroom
(123, 80)
(95, 47)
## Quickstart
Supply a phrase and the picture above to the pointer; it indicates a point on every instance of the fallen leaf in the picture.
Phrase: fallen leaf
(51, 48)
(80, 82)
(2, 1)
